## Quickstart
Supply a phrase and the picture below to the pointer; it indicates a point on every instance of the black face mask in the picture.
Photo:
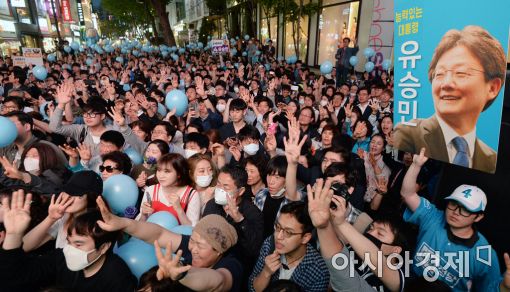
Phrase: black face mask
(374, 240)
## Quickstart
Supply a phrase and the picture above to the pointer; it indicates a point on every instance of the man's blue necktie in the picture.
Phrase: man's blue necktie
(461, 158)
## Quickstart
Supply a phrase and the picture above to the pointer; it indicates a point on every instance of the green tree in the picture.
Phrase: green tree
(294, 13)
(270, 8)
(206, 29)
(160, 11)
(126, 16)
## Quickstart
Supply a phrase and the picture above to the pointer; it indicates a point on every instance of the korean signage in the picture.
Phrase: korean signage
(80, 12)
(18, 3)
(66, 11)
(219, 47)
(33, 56)
(450, 66)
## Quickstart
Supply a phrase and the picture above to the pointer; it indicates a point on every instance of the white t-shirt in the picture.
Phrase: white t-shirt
(58, 233)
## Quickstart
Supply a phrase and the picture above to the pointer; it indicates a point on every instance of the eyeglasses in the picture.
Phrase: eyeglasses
(462, 211)
(159, 132)
(457, 74)
(90, 115)
(286, 233)
(108, 168)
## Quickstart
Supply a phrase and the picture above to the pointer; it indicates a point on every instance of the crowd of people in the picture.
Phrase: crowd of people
(288, 177)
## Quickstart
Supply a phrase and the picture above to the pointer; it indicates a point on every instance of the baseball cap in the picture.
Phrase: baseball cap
(471, 197)
(84, 182)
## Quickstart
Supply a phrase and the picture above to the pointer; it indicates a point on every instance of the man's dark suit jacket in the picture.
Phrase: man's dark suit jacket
(428, 134)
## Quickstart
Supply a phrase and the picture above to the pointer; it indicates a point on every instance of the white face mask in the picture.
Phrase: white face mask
(203, 181)
(188, 153)
(31, 164)
(251, 149)
(220, 107)
(220, 196)
(301, 101)
(76, 259)
(319, 130)
(324, 102)
(279, 194)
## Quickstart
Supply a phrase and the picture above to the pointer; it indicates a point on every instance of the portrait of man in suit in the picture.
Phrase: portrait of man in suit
(467, 72)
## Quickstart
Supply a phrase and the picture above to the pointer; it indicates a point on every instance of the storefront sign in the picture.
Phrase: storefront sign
(66, 11)
(18, 3)
(80, 12)
(43, 24)
(7, 26)
(219, 47)
(450, 67)
(33, 56)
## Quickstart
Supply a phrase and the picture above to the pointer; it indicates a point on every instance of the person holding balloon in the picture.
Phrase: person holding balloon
(343, 56)
(85, 263)
(115, 162)
(173, 193)
(202, 261)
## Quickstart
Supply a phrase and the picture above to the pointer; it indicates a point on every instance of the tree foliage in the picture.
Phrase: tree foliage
(126, 16)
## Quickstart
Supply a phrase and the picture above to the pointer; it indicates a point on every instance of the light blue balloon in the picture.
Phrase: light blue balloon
(174, 49)
(182, 51)
(268, 66)
(82, 49)
(119, 59)
(182, 229)
(67, 49)
(139, 256)
(164, 219)
(233, 52)
(292, 59)
(135, 157)
(175, 57)
(99, 50)
(124, 51)
(280, 58)
(8, 132)
(326, 67)
(136, 53)
(51, 58)
(354, 61)
(126, 87)
(368, 52)
(162, 109)
(369, 66)
(40, 72)
(89, 61)
(245, 54)
(257, 53)
(164, 54)
(200, 45)
(386, 64)
(176, 99)
(246, 37)
(75, 46)
(120, 191)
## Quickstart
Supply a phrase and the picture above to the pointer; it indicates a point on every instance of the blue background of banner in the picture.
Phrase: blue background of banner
(439, 16)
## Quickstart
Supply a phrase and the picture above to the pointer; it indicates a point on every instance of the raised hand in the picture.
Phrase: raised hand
(117, 117)
(232, 210)
(319, 202)
(293, 145)
(338, 213)
(170, 114)
(57, 208)
(270, 143)
(348, 110)
(218, 149)
(16, 212)
(382, 185)
(64, 93)
(10, 170)
(419, 160)
(236, 153)
(110, 222)
(506, 276)
(84, 151)
(169, 267)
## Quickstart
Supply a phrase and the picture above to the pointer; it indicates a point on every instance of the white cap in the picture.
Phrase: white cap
(471, 197)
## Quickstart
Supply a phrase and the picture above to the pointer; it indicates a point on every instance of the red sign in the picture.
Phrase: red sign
(66, 11)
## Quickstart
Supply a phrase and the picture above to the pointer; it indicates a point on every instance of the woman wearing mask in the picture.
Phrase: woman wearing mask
(40, 170)
(145, 173)
(173, 193)
(203, 173)
(79, 194)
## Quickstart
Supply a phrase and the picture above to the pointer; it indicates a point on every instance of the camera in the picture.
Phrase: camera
(341, 190)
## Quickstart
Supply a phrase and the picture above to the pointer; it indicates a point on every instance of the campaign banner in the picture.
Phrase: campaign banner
(450, 68)
(66, 11)
(220, 47)
(19, 61)
(33, 56)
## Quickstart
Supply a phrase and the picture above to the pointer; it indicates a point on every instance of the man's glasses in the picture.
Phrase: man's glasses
(454, 206)
(108, 168)
(457, 74)
(286, 233)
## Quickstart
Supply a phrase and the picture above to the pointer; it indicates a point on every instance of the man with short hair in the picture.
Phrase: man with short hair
(288, 254)
(453, 231)
(342, 56)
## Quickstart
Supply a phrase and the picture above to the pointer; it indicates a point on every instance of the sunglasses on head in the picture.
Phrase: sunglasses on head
(108, 168)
